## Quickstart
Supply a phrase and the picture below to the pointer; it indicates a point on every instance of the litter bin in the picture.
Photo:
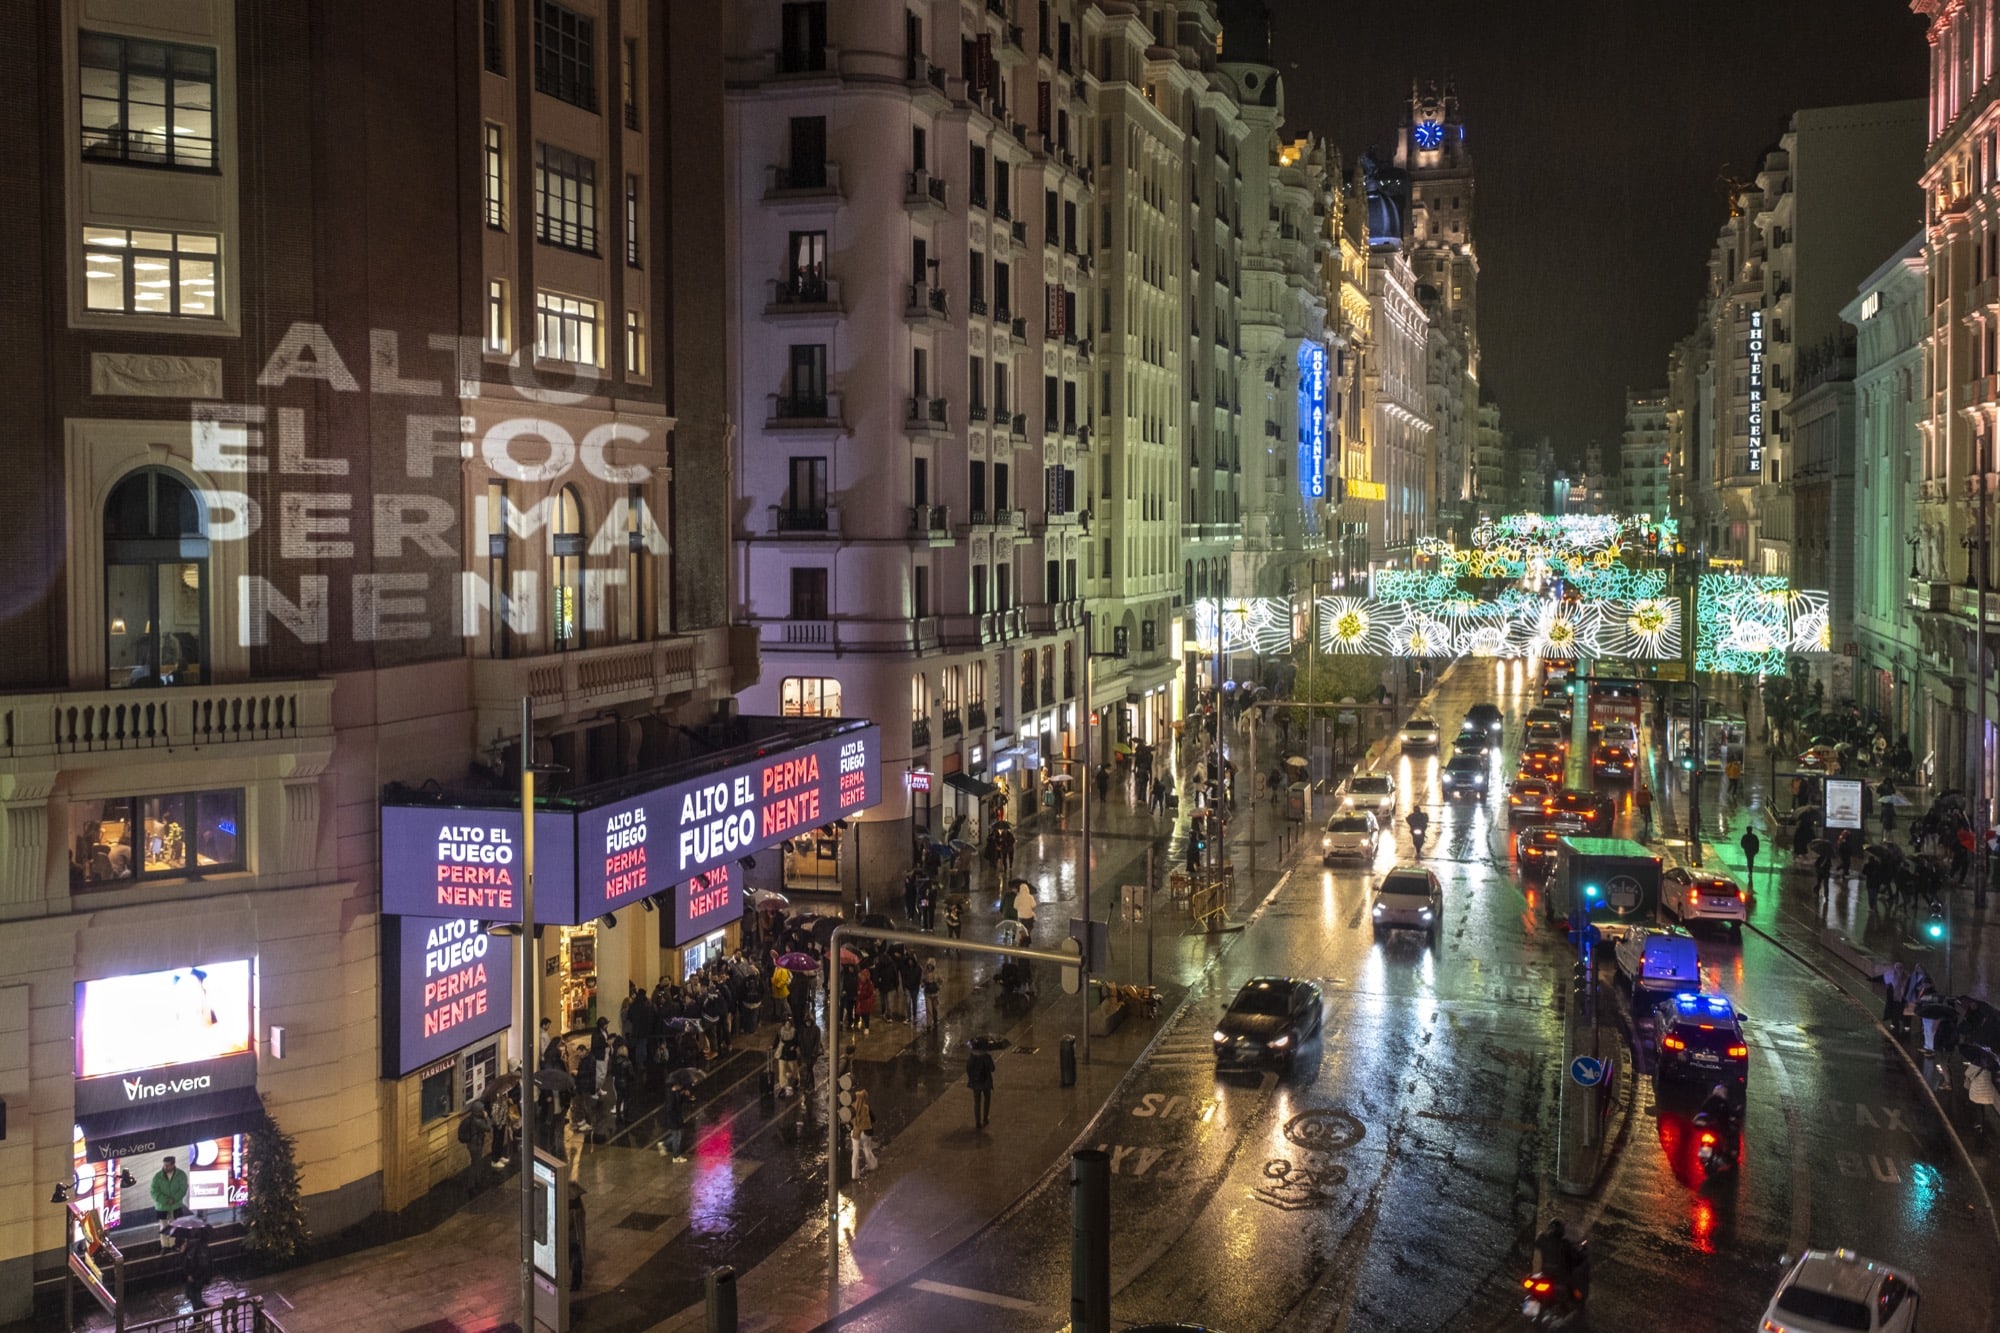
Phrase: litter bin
(1299, 808)
(1066, 1061)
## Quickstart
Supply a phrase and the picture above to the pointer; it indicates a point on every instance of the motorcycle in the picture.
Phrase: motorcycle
(1418, 830)
(1548, 1303)
(1717, 1146)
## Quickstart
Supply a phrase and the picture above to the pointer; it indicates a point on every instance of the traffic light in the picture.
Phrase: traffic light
(846, 1099)
(1934, 928)
(1592, 894)
(1687, 763)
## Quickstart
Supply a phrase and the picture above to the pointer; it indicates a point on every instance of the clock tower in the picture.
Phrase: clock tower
(1431, 149)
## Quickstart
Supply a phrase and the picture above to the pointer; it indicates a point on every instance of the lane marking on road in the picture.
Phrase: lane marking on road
(978, 1297)
(1461, 1118)
(1801, 1200)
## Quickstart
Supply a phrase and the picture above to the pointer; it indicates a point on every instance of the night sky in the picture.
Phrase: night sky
(1598, 134)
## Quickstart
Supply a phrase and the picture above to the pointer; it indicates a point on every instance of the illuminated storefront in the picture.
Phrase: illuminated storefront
(166, 1066)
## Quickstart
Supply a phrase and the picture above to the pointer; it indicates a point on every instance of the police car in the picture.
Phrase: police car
(1698, 1042)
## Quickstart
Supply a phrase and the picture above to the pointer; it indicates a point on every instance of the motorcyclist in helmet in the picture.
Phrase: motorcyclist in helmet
(1556, 1259)
(1719, 1112)
(1420, 824)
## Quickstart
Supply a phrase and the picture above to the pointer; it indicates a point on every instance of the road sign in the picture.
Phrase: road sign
(1072, 977)
(1587, 1072)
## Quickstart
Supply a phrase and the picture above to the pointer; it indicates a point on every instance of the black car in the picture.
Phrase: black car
(1485, 717)
(1698, 1043)
(1574, 810)
(1465, 775)
(1473, 740)
(1267, 1022)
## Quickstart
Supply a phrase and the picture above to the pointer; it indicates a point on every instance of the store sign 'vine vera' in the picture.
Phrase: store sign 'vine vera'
(322, 519)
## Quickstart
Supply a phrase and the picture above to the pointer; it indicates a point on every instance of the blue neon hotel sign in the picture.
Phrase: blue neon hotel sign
(1312, 419)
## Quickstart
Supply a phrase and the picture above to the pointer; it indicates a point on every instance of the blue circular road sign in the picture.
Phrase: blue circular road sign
(1587, 1071)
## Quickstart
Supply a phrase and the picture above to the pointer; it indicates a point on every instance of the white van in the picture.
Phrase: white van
(1657, 963)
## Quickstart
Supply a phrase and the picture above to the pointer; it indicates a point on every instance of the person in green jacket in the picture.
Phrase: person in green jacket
(170, 1194)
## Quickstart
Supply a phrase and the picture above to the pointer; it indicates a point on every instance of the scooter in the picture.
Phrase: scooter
(1548, 1304)
(1717, 1149)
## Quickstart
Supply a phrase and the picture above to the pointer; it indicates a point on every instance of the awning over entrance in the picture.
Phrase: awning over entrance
(146, 1127)
(977, 788)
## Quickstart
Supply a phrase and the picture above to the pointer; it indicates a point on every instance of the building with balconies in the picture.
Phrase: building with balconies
(1396, 376)
(910, 541)
(1643, 453)
(331, 447)
(1489, 486)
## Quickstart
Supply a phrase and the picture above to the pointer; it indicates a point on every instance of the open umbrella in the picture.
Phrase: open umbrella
(768, 900)
(797, 962)
(684, 1077)
(848, 957)
(1058, 779)
(823, 927)
(1011, 933)
(1895, 798)
(1295, 761)
(555, 1080)
(189, 1226)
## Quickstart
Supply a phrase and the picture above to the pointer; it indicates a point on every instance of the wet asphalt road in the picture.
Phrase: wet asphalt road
(1395, 1178)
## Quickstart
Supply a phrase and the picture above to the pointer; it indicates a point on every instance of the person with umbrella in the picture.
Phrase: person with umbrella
(678, 1114)
(197, 1264)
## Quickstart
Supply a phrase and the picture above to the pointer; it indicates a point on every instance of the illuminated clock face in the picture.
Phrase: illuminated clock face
(1429, 134)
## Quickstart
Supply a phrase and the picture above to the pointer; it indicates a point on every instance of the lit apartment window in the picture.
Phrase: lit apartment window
(566, 571)
(496, 315)
(810, 696)
(155, 583)
(635, 343)
(565, 54)
(637, 585)
(496, 176)
(151, 272)
(565, 199)
(632, 221)
(566, 329)
(117, 840)
(147, 102)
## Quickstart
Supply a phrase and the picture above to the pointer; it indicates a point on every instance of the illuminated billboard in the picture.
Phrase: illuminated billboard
(445, 985)
(1312, 420)
(647, 844)
(152, 1020)
(442, 861)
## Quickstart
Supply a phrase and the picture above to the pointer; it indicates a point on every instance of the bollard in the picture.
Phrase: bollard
(1090, 1241)
(722, 1300)
(1066, 1061)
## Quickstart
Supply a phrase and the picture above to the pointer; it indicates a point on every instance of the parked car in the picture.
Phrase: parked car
(1351, 834)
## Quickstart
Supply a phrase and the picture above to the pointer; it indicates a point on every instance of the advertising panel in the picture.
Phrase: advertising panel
(635, 848)
(466, 864)
(706, 903)
(153, 1019)
(1843, 803)
(446, 987)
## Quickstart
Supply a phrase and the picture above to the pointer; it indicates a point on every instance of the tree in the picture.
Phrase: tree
(275, 1215)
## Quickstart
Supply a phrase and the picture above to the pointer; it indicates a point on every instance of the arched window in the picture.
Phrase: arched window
(566, 543)
(1187, 581)
(155, 582)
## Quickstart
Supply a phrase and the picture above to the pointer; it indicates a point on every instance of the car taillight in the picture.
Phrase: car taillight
(1673, 1044)
(1539, 1288)
(1707, 1139)
(1739, 1052)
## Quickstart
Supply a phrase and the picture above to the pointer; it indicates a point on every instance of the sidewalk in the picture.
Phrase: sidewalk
(753, 1196)
(1848, 943)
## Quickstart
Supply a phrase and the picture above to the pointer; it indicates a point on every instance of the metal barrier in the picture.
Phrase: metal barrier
(236, 1314)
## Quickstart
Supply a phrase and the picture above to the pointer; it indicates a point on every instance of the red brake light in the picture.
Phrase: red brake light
(1707, 1138)
(1739, 1052)
(1708, 1027)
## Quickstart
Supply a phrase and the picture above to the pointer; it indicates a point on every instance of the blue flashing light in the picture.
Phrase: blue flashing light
(1716, 1006)
(1935, 930)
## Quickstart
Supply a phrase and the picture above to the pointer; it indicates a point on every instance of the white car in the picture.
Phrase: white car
(1692, 895)
(1838, 1291)
(1419, 733)
(1409, 898)
(1351, 833)
(1370, 791)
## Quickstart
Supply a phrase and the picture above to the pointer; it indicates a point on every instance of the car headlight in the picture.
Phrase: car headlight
(1378, 909)
(1326, 841)
(1424, 915)
(1279, 1043)
(1220, 1035)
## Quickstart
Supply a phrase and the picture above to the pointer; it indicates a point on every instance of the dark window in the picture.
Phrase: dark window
(980, 581)
(565, 199)
(808, 492)
(489, 37)
(1003, 288)
(1003, 587)
(978, 177)
(920, 481)
(808, 363)
(978, 273)
(804, 48)
(809, 593)
(1001, 490)
(808, 167)
(1069, 225)
(920, 591)
(628, 82)
(116, 841)
(1052, 217)
(978, 488)
(632, 221)
(565, 54)
(1069, 578)
(1003, 189)
(155, 583)
(919, 148)
(147, 102)
(1051, 401)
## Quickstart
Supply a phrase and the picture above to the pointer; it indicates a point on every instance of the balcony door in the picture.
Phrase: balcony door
(155, 583)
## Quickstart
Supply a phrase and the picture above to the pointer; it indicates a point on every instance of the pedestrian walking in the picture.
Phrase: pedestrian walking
(865, 998)
(1732, 779)
(1643, 798)
(197, 1268)
(785, 1050)
(909, 976)
(1893, 982)
(474, 1128)
(1103, 781)
(979, 1078)
(576, 1233)
(954, 919)
(678, 1115)
(861, 1136)
(1024, 907)
(1160, 790)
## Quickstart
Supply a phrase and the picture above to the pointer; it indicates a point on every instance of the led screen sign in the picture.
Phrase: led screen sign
(440, 861)
(1756, 384)
(1312, 420)
(152, 1020)
(445, 986)
(647, 844)
(706, 903)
